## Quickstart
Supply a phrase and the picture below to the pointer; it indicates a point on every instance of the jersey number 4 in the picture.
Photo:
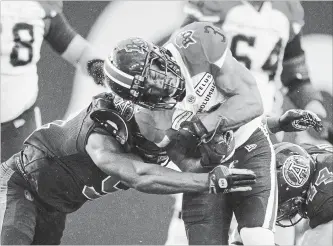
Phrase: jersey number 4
(325, 177)
(270, 65)
(23, 38)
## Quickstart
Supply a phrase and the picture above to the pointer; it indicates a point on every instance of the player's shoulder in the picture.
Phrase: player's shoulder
(213, 11)
(200, 42)
(52, 8)
(294, 11)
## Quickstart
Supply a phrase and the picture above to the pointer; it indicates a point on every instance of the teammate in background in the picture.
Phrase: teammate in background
(265, 36)
(63, 164)
(24, 26)
(194, 86)
(305, 178)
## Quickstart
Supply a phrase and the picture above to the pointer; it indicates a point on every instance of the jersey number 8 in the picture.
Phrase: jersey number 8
(22, 51)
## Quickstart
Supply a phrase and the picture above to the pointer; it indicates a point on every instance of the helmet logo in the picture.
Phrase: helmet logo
(137, 45)
(185, 39)
(296, 170)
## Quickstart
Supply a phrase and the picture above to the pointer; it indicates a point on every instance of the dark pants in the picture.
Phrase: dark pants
(13, 133)
(207, 217)
(22, 219)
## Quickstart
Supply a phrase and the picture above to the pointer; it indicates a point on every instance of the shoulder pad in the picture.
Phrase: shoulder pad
(113, 102)
(200, 43)
(113, 123)
(294, 11)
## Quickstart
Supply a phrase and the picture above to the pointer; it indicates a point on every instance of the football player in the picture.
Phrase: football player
(265, 36)
(194, 86)
(305, 179)
(316, 201)
(100, 150)
(24, 26)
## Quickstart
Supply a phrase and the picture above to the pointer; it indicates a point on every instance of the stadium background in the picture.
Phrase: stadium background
(131, 217)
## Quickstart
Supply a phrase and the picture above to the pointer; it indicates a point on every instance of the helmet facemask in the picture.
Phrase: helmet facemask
(157, 65)
(288, 210)
(138, 88)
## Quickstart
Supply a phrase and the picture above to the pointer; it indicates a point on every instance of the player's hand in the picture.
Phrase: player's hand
(295, 120)
(190, 133)
(217, 149)
(225, 180)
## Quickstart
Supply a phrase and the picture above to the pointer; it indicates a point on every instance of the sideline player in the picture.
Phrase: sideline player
(24, 26)
(63, 164)
(220, 93)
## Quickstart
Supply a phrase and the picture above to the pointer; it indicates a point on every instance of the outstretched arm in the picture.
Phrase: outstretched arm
(149, 178)
(294, 120)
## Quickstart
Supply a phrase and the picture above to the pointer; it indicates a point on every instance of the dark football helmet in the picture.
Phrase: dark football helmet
(144, 73)
(295, 168)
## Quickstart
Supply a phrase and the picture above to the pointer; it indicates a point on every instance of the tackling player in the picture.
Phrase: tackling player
(194, 86)
(63, 164)
(24, 26)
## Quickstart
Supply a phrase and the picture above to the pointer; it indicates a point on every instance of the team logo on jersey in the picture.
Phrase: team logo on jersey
(250, 147)
(203, 84)
(190, 99)
(185, 39)
(296, 170)
(125, 108)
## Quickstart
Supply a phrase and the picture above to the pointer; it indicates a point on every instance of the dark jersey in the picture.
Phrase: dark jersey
(319, 203)
(73, 178)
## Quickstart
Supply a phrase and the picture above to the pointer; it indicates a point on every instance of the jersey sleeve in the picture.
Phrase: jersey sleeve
(201, 43)
(296, 18)
(60, 33)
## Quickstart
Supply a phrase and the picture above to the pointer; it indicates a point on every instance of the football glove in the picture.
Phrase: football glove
(217, 149)
(190, 134)
(295, 120)
(225, 180)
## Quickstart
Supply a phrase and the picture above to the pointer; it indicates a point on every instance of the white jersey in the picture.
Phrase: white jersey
(22, 33)
(195, 52)
(257, 36)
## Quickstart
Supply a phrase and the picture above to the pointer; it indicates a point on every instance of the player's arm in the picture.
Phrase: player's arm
(243, 101)
(296, 78)
(107, 154)
(294, 120)
(71, 46)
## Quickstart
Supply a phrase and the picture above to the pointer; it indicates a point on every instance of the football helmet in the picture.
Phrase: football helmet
(144, 73)
(295, 168)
